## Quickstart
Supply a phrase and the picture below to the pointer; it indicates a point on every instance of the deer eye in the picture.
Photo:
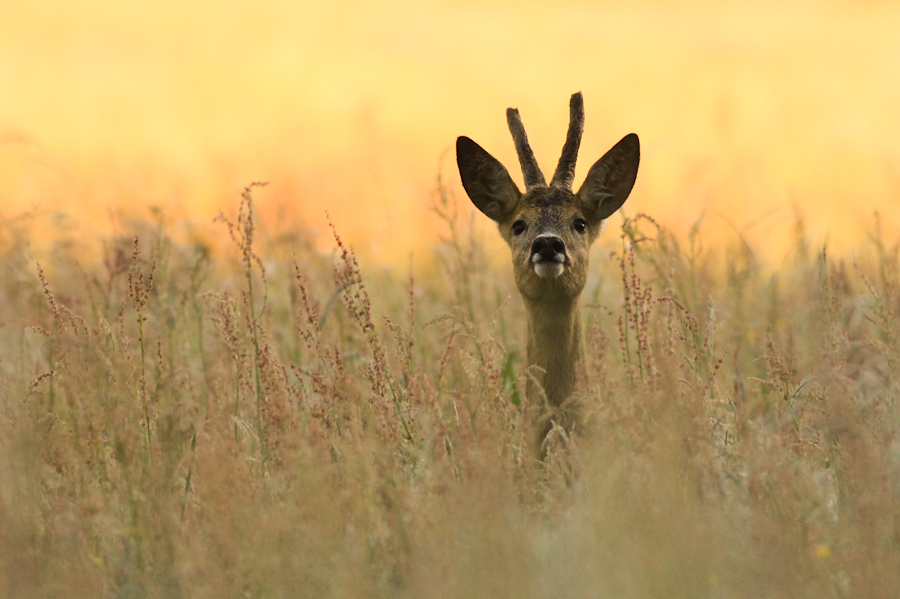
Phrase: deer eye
(519, 227)
(579, 225)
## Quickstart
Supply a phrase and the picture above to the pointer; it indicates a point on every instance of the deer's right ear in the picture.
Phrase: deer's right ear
(610, 180)
(486, 180)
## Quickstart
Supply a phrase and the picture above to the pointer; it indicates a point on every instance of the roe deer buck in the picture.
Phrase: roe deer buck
(550, 230)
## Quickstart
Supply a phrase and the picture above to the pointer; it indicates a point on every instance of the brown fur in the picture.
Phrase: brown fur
(558, 226)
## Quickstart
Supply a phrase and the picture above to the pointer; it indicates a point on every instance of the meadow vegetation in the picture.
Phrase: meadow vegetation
(274, 421)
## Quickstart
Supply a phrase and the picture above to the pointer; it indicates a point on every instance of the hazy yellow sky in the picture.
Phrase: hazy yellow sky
(747, 112)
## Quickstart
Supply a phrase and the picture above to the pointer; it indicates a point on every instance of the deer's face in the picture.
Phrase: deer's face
(550, 237)
(549, 228)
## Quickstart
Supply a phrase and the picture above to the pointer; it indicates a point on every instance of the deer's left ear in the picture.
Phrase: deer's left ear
(486, 180)
(610, 180)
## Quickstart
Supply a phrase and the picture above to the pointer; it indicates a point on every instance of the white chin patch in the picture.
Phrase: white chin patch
(548, 270)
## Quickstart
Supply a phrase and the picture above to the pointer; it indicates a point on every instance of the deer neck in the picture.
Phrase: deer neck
(556, 346)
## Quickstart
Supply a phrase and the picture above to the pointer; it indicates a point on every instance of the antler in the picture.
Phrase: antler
(530, 169)
(565, 170)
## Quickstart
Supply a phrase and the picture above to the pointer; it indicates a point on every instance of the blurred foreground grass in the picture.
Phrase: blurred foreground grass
(282, 423)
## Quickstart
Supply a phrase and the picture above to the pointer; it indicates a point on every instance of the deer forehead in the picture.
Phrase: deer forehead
(547, 207)
(549, 197)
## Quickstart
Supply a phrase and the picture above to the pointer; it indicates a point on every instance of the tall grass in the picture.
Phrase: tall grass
(282, 423)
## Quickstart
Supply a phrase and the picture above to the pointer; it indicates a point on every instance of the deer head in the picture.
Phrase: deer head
(549, 228)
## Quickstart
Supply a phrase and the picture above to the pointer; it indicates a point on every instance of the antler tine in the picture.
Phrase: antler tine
(530, 169)
(565, 170)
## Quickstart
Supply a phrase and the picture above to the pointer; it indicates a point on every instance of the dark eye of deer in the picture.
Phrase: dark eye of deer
(518, 227)
(579, 225)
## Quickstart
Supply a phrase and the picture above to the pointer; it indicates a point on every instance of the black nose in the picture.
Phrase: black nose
(548, 247)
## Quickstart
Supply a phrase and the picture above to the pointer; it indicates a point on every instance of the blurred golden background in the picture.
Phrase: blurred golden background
(749, 114)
